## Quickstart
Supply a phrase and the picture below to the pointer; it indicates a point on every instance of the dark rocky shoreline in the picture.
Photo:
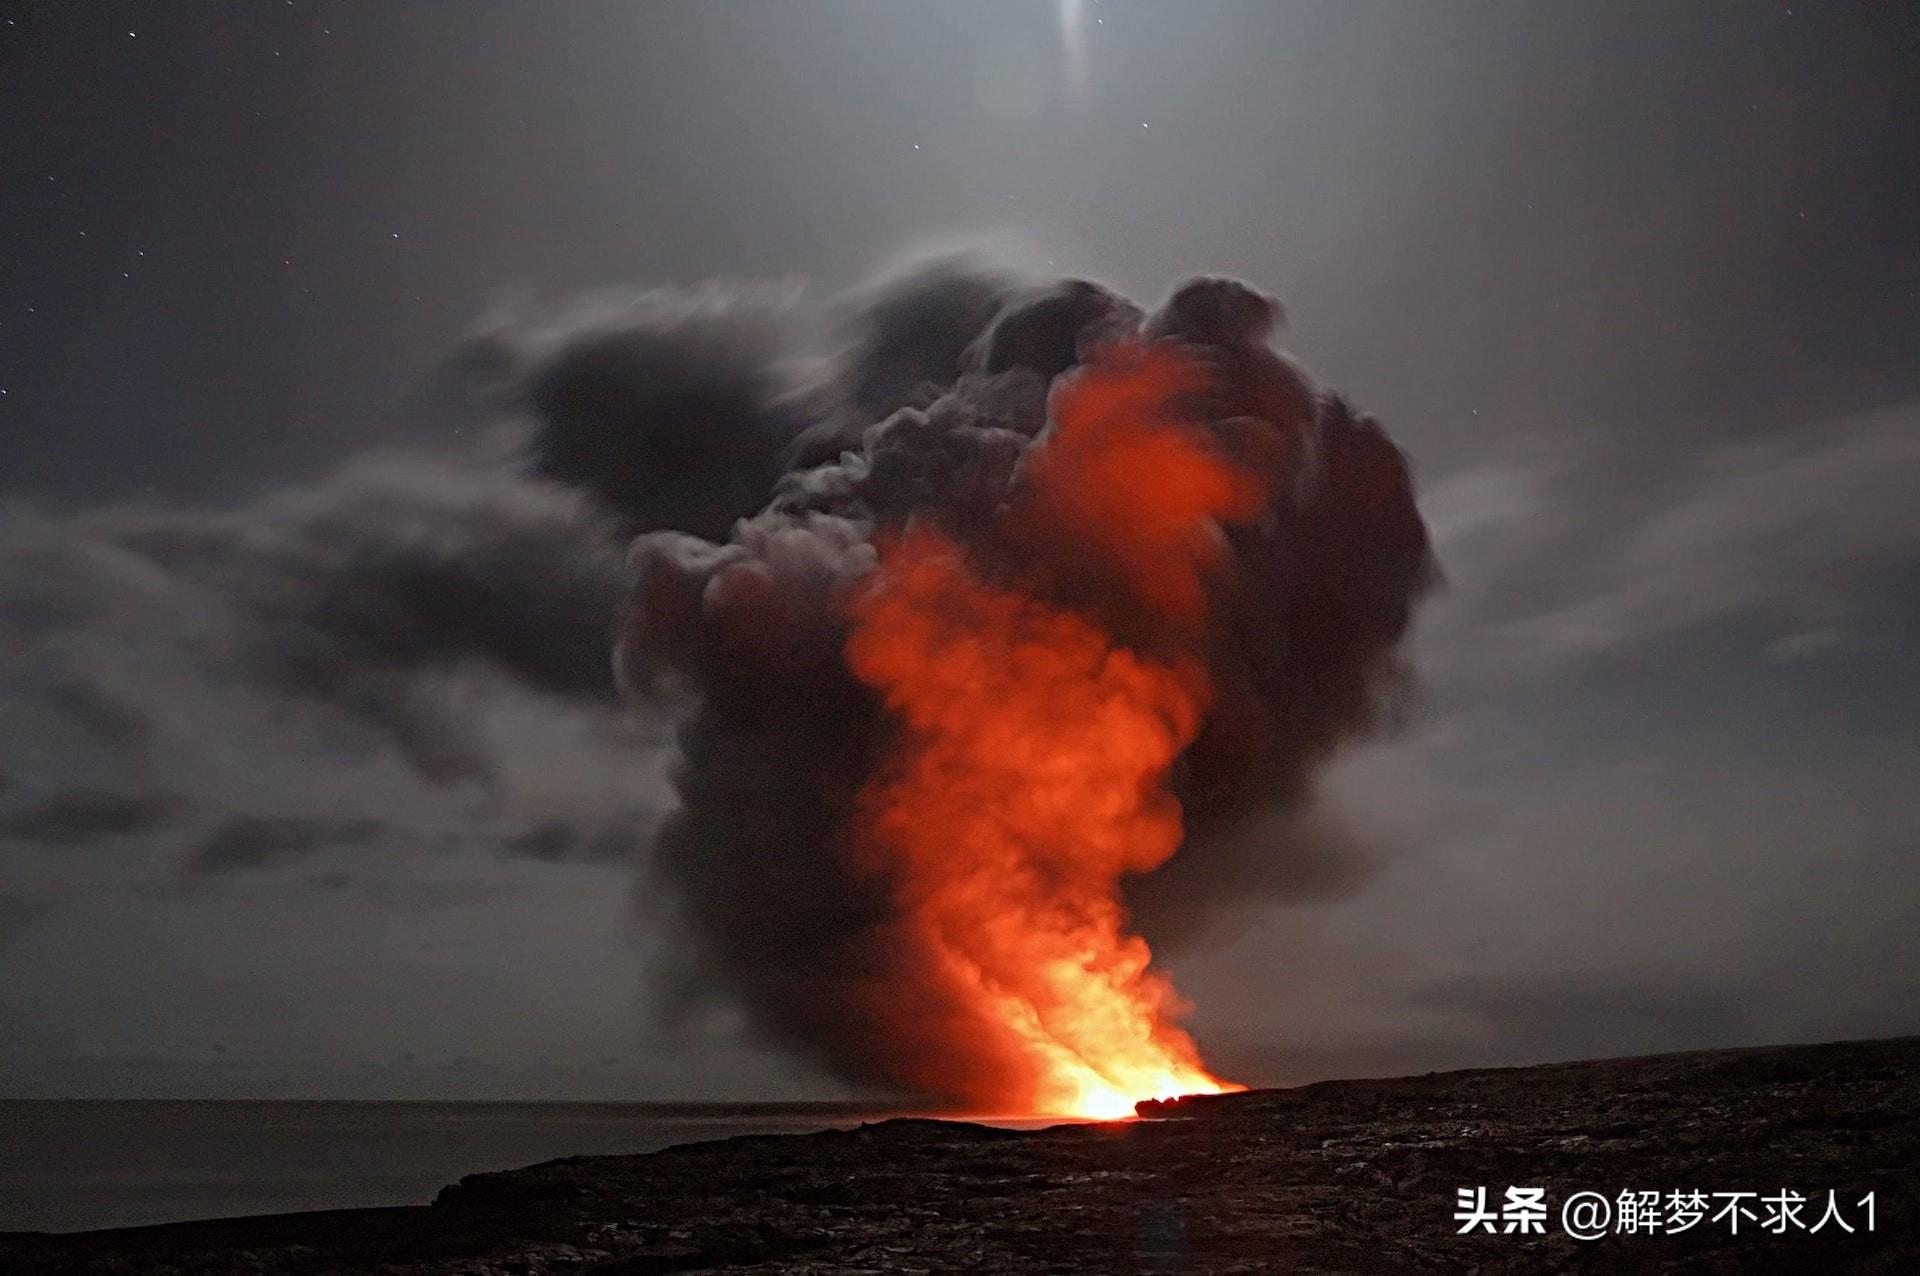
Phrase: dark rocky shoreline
(1343, 1176)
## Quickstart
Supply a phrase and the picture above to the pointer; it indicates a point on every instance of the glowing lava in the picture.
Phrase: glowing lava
(1031, 770)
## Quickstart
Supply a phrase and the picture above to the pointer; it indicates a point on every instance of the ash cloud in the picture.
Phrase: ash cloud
(673, 407)
(905, 339)
(753, 865)
(402, 601)
(409, 626)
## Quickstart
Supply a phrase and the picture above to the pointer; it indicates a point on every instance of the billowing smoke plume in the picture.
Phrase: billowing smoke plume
(998, 506)
(942, 486)
(674, 408)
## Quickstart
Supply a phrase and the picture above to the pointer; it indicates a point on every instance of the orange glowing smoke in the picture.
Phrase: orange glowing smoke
(1032, 769)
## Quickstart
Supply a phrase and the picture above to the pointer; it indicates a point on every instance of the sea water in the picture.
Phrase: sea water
(71, 1165)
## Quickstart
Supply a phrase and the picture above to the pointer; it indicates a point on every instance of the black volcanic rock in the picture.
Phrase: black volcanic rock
(1344, 1176)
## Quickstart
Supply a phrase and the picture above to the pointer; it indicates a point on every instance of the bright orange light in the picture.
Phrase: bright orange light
(1032, 770)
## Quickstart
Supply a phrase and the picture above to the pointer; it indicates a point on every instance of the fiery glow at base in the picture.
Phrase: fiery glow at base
(1032, 768)
(1107, 1083)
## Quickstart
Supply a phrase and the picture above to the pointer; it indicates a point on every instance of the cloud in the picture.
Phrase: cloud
(672, 406)
(76, 816)
(624, 837)
(907, 335)
(1673, 898)
(1787, 530)
(408, 661)
(253, 841)
(417, 644)
(349, 595)
(1317, 579)
(550, 840)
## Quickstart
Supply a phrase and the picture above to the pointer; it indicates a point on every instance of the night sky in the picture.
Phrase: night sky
(1637, 286)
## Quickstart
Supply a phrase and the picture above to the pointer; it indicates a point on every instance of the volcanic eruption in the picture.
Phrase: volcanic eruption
(1054, 602)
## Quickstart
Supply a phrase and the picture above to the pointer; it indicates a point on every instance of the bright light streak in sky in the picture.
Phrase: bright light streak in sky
(1073, 39)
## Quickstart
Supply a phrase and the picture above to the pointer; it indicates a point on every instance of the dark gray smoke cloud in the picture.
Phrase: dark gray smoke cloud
(759, 471)
(784, 738)
(420, 606)
(906, 340)
(673, 407)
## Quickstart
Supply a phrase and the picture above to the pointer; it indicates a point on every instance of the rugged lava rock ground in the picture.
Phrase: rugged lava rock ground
(1346, 1176)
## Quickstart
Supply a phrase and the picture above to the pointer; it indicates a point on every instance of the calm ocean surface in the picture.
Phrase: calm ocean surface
(74, 1165)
